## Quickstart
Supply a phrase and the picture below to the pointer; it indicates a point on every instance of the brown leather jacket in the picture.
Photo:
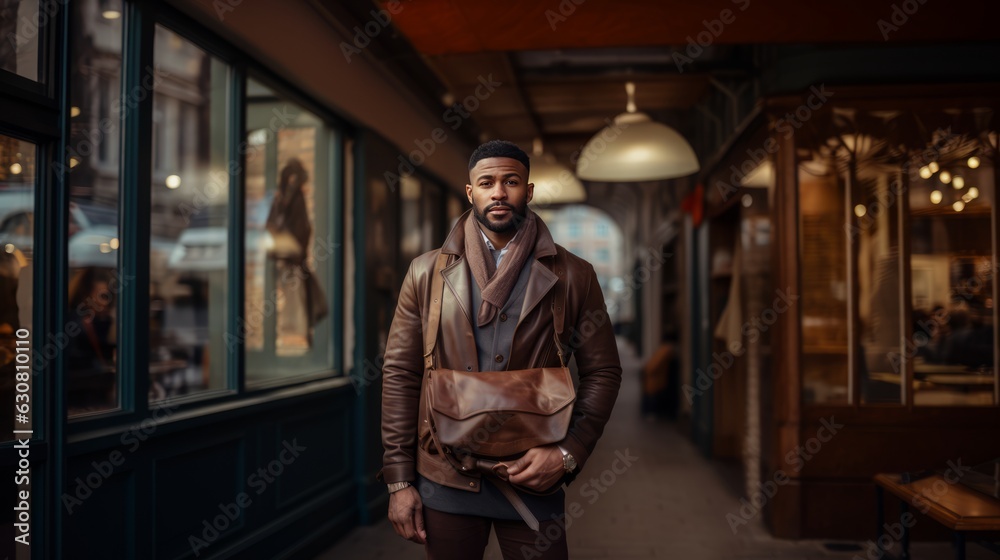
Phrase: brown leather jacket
(588, 335)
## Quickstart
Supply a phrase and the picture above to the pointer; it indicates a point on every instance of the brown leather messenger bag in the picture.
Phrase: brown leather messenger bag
(482, 421)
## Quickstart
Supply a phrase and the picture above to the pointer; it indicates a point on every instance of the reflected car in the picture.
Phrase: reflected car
(93, 232)
(203, 247)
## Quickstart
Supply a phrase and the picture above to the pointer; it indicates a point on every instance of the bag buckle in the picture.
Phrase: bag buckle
(500, 471)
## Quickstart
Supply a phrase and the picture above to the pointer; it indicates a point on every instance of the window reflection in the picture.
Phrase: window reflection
(20, 32)
(824, 281)
(861, 168)
(17, 229)
(92, 153)
(189, 220)
(289, 239)
(952, 278)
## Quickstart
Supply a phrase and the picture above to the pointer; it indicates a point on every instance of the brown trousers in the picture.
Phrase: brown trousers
(464, 537)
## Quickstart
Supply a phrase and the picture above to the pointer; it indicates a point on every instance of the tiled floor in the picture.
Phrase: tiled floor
(670, 503)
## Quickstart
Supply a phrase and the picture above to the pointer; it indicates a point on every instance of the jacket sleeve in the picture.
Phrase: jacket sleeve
(402, 375)
(592, 341)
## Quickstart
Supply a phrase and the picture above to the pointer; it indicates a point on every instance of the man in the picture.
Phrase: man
(496, 314)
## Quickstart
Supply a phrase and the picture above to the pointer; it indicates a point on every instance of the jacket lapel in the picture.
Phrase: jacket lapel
(540, 281)
(457, 279)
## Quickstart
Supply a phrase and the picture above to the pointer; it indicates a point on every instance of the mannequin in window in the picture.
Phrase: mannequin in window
(300, 299)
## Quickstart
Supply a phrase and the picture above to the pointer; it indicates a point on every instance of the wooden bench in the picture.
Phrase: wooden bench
(957, 507)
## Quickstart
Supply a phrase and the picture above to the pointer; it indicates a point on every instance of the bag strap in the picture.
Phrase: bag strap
(434, 318)
(559, 307)
(437, 295)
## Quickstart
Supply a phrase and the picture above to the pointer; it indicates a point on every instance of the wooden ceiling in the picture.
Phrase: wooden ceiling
(563, 63)
(437, 27)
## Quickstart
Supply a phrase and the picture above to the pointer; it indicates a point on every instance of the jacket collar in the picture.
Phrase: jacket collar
(455, 243)
(540, 279)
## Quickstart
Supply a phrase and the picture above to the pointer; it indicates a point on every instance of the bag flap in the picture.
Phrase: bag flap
(462, 394)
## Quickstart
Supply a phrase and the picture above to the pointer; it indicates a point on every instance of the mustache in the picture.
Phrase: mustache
(498, 205)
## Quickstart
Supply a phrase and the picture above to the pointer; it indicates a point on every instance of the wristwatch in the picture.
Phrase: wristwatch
(397, 486)
(569, 462)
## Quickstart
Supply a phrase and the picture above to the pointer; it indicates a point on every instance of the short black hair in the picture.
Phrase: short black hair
(499, 148)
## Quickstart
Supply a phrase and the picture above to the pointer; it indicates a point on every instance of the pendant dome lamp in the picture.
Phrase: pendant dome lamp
(554, 183)
(636, 148)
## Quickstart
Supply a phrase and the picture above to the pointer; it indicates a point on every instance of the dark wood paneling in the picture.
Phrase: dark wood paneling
(103, 524)
(198, 493)
(320, 439)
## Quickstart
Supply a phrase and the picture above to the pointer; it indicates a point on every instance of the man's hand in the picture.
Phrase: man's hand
(406, 512)
(539, 468)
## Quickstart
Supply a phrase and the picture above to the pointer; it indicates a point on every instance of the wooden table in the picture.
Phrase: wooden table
(959, 508)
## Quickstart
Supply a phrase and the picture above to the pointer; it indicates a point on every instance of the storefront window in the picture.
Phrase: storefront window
(952, 345)
(823, 265)
(21, 30)
(879, 280)
(189, 221)
(870, 178)
(92, 156)
(289, 239)
(17, 241)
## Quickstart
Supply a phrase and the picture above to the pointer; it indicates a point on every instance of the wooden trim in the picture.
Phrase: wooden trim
(906, 290)
(787, 340)
(995, 261)
(896, 96)
(897, 417)
(855, 365)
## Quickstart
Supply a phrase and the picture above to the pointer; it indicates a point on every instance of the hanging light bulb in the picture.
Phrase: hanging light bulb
(925, 172)
(630, 91)
(973, 162)
(860, 210)
(945, 177)
(958, 206)
(973, 192)
(966, 198)
(15, 168)
(958, 182)
(933, 166)
(936, 196)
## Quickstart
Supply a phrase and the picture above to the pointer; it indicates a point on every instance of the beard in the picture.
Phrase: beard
(514, 221)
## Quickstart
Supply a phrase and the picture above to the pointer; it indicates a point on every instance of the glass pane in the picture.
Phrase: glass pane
(17, 240)
(92, 153)
(190, 201)
(289, 239)
(410, 222)
(824, 281)
(876, 229)
(20, 31)
(952, 279)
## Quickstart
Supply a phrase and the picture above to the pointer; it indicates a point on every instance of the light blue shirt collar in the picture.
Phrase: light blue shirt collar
(497, 255)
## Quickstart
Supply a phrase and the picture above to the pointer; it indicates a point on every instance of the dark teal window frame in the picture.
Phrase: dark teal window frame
(39, 112)
(141, 19)
(36, 112)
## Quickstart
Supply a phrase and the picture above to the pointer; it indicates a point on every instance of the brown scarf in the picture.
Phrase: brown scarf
(496, 285)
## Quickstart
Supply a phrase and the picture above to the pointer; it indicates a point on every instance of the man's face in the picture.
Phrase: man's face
(499, 192)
